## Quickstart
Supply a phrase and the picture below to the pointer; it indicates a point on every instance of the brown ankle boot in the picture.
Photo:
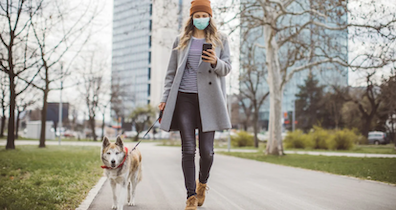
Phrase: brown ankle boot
(201, 188)
(192, 203)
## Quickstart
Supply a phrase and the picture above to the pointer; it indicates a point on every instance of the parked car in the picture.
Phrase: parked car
(377, 137)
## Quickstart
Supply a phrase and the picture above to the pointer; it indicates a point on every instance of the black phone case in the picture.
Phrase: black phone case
(204, 48)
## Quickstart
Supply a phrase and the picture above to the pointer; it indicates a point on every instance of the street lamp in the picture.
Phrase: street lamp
(60, 107)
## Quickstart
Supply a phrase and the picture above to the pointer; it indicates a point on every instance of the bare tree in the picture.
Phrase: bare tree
(16, 57)
(56, 34)
(369, 110)
(95, 90)
(301, 34)
(251, 77)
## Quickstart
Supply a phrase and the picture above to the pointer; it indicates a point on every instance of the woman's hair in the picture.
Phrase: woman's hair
(212, 35)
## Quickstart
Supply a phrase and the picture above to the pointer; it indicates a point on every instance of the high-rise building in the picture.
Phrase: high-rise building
(327, 74)
(143, 33)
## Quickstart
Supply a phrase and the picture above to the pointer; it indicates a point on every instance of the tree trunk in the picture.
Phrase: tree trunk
(274, 145)
(136, 138)
(3, 120)
(92, 125)
(11, 120)
(44, 119)
(17, 125)
(366, 126)
(255, 126)
(103, 125)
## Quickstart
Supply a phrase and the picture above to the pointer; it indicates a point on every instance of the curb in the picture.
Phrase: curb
(92, 194)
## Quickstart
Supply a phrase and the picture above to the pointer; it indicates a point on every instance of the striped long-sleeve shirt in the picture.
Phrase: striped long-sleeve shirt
(189, 81)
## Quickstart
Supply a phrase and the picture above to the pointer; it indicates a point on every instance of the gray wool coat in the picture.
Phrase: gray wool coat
(211, 88)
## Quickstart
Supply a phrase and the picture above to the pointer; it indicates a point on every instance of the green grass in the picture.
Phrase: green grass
(379, 169)
(372, 149)
(49, 178)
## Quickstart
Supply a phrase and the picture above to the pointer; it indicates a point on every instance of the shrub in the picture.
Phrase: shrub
(296, 139)
(344, 139)
(320, 138)
(242, 139)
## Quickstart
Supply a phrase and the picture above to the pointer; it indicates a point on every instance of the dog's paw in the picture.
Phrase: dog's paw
(114, 206)
(131, 203)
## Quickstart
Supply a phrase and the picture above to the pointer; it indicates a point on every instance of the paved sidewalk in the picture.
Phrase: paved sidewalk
(241, 184)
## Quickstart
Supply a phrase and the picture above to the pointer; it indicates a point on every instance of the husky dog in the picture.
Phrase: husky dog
(122, 166)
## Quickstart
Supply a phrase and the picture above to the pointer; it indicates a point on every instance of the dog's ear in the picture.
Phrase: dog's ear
(105, 142)
(119, 142)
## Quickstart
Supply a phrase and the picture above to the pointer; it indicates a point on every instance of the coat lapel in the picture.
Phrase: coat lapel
(184, 53)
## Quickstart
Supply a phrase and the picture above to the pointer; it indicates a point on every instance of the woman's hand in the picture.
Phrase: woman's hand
(161, 106)
(210, 56)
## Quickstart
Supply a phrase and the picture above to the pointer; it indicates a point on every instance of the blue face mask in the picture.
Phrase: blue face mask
(201, 23)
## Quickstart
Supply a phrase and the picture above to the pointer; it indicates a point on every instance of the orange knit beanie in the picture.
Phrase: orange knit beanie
(200, 6)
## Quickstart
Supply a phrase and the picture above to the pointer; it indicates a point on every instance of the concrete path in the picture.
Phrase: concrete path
(240, 184)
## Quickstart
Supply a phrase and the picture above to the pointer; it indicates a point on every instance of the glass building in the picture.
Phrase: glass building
(336, 45)
(143, 33)
(131, 53)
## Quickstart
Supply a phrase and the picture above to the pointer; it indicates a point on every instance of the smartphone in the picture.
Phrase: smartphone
(205, 47)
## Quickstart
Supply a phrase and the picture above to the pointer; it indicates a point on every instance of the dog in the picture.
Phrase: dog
(122, 166)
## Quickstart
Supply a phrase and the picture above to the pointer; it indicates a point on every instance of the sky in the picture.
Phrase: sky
(103, 38)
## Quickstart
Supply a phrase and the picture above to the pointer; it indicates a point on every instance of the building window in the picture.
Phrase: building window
(150, 25)
(149, 58)
(148, 89)
(149, 73)
(149, 42)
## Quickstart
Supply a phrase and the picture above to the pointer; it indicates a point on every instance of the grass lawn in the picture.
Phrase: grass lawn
(50, 178)
(372, 149)
(379, 169)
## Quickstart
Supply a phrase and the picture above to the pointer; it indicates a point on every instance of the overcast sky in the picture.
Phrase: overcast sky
(104, 38)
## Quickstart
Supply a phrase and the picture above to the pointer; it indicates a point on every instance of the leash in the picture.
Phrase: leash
(135, 146)
(158, 120)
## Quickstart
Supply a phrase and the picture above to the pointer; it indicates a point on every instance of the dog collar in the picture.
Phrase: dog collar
(122, 163)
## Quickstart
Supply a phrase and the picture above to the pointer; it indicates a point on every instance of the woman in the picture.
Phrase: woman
(194, 95)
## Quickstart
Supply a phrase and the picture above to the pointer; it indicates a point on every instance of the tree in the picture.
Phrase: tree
(17, 59)
(252, 76)
(388, 96)
(310, 104)
(142, 117)
(367, 101)
(298, 36)
(95, 89)
(55, 39)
